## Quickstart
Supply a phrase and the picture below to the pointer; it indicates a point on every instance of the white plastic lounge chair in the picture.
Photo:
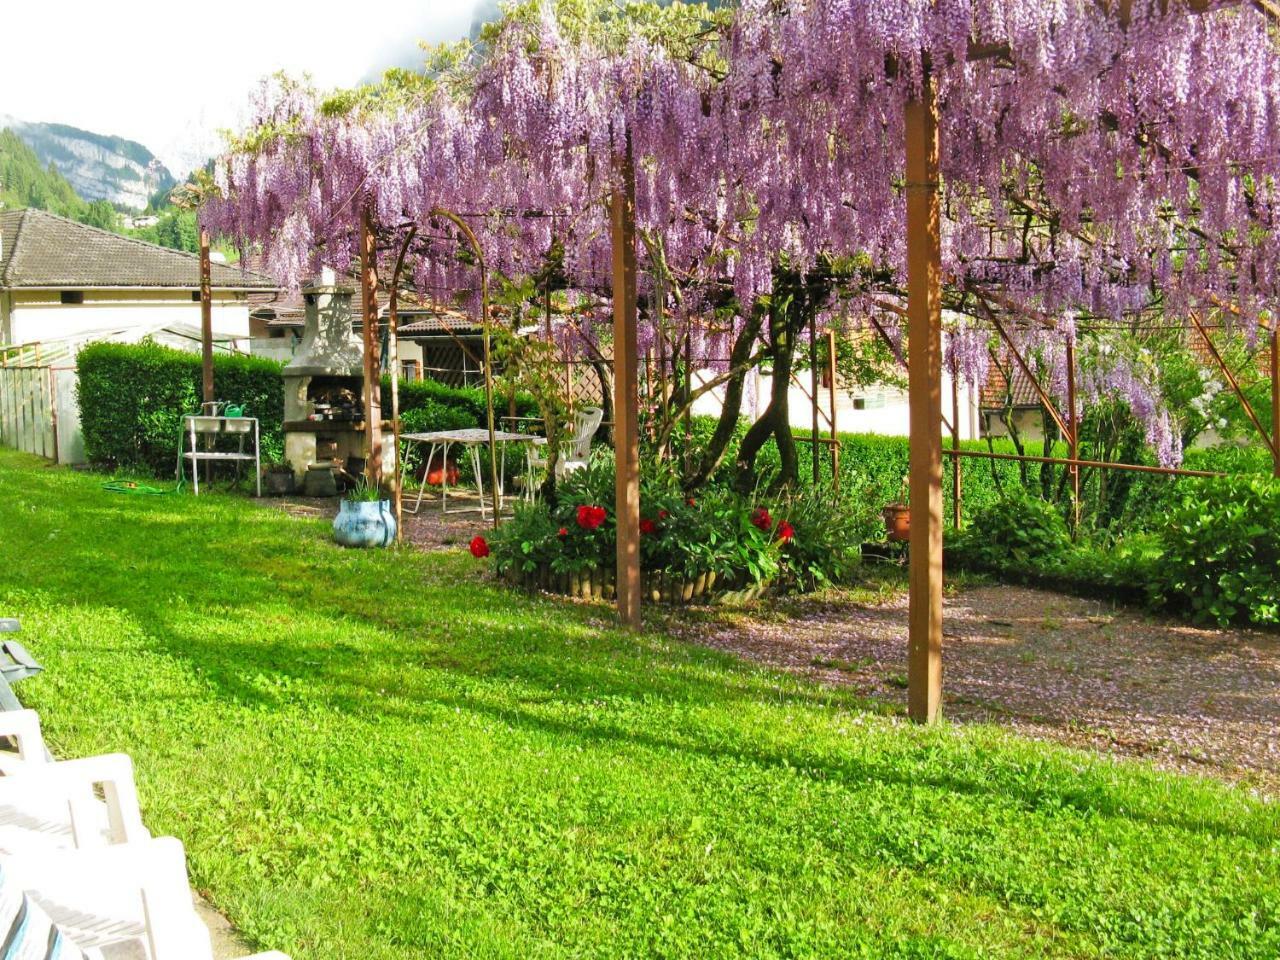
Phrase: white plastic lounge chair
(53, 806)
(22, 729)
(130, 900)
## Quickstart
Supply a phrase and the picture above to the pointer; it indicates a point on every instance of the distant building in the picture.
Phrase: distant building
(64, 284)
(64, 281)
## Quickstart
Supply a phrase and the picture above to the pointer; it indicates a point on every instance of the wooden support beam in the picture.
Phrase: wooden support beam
(372, 369)
(924, 331)
(206, 319)
(626, 402)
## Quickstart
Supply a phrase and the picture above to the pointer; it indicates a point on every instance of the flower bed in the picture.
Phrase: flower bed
(718, 545)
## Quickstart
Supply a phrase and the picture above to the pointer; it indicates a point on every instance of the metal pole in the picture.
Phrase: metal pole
(924, 330)
(1074, 439)
(372, 373)
(626, 441)
(813, 385)
(956, 492)
(206, 319)
(831, 377)
(1275, 393)
(1273, 444)
(1091, 464)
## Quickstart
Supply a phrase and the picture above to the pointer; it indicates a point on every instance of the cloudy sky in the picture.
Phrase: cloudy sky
(170, 75)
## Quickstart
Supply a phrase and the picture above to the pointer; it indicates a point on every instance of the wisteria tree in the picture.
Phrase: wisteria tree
(1101, 172)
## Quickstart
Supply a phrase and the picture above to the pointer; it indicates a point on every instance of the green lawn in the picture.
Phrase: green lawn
(374, 755)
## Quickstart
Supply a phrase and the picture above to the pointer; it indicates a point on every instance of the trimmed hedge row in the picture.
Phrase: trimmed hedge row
(881, 462)
(133, 397)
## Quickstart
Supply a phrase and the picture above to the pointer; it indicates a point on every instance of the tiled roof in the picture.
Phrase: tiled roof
(995, 390)
(416, 319)
(39, 249)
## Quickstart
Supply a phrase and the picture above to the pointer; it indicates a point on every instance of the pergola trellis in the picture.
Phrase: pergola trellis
(923, 310)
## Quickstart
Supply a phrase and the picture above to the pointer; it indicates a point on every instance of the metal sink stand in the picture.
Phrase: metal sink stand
(203, 425)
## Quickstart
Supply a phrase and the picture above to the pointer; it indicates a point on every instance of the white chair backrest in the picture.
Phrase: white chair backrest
(585, 425)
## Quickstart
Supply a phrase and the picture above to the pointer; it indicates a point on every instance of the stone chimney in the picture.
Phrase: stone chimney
(329, 347)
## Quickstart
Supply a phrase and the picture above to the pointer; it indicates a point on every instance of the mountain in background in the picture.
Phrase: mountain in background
(98, 167)
(26, 182)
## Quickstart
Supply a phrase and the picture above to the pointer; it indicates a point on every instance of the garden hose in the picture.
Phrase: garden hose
(137, 489)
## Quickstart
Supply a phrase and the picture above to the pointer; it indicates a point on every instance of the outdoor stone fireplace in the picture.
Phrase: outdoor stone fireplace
(323, 384)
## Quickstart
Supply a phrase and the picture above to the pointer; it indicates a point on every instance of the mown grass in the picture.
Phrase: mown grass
(376, 755)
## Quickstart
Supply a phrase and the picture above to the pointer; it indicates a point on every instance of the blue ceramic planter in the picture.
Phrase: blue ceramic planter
(364, 523)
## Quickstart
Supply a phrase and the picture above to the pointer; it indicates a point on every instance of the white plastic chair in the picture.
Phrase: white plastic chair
(132, 899)
(54, 806)
(575, 453)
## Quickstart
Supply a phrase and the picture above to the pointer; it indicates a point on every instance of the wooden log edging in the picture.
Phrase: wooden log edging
(657, 586)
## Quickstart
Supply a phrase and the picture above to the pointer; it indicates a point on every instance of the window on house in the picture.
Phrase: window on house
(195, 296)
(73, 296)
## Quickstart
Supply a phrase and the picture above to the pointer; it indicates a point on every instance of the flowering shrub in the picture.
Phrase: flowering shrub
(799, 542)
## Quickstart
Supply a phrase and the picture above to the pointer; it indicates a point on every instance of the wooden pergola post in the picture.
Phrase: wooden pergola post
(924, 361)
(626, 437)
(206, 319)
(372, 371)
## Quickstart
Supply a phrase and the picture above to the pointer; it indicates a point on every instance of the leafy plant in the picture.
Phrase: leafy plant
(1221, 556)
(364, 492)
(1018, 533)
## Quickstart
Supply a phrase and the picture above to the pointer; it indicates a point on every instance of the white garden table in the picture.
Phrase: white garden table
(473, 440)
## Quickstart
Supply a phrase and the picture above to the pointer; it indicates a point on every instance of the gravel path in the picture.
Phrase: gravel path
(1078, 671)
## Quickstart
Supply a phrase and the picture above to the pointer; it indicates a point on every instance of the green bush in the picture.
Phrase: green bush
(133, 397)
(434, 415)
(1018, 533)
(415, 394)
(1221, 552)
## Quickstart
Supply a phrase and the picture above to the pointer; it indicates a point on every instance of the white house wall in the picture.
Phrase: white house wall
(884, 410)
(41, 317)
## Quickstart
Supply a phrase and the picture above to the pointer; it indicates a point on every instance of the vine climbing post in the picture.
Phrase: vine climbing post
(372, 373)
(924, 361)
(393, 335)
(495, 491)
(626, 439)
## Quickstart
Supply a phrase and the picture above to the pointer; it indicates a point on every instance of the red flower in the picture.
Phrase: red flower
(562, 532)
(662, 514)
(479, 547)
(785, 531)
(692, 502)
(761, 520)
(590, 518)
(647, 526)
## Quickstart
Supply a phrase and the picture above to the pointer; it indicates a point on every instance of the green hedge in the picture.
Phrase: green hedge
(880, 463)
(133, 398)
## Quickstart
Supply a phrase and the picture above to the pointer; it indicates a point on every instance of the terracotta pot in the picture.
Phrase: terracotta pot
(897, 522)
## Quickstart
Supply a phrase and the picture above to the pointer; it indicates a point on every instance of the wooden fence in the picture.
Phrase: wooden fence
(28, 409)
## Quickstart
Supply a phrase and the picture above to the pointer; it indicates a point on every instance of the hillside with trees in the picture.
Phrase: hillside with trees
(24, 182)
